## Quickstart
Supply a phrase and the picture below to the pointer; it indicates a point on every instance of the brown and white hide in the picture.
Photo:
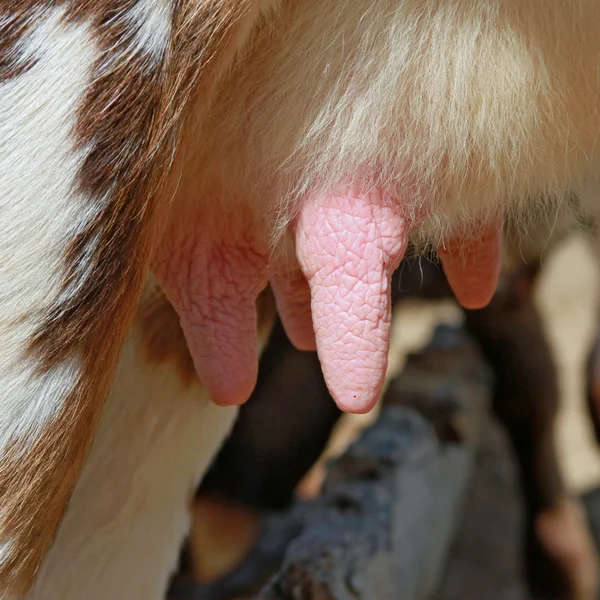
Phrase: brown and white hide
(219, 144)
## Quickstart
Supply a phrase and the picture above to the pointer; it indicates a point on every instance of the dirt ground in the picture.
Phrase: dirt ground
(567, 295)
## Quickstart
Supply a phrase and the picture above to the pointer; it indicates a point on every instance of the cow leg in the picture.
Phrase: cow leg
(130, 510)
(592, 370)
(559, 552)
(593, 386)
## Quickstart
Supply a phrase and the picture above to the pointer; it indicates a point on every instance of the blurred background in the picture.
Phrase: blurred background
(510, 544)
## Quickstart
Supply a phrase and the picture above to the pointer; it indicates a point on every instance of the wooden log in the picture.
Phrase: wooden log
(485, 559)
(390, 505)
(393, 506)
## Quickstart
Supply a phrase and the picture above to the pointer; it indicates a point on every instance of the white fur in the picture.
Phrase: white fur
(462, 107)
(151, 21)
(39, 214)
(28, 402)
(129, 515)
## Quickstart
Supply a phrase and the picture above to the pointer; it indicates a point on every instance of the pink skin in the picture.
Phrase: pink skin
(292, 296)
(472, 264)
(337, 296)
(212, 274)
(348, 246)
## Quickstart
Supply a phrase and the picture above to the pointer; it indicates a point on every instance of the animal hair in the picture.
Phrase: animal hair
(460, 108)
(116, 115)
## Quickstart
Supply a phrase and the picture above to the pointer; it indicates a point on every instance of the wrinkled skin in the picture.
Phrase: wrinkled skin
(347, 246)
(359, 126)
(212, 271)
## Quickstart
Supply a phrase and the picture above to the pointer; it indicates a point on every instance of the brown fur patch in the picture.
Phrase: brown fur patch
(13, 27)
(132, 121)
(162, 336)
